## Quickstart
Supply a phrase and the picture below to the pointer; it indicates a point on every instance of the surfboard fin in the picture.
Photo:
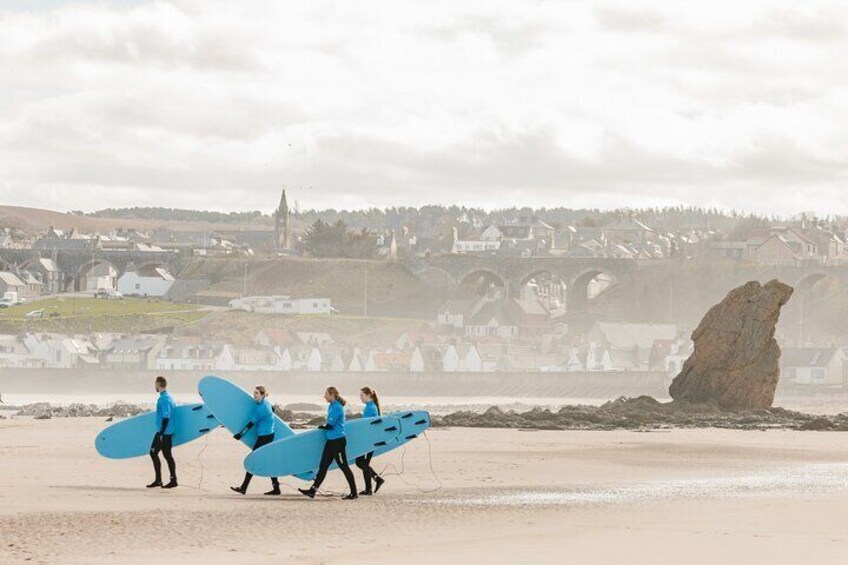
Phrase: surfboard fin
(196, 408)
(420, 422)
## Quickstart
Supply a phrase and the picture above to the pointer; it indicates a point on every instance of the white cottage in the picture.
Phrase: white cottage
(151, 282)
(416, 363)
(450, 360)
(313, 363)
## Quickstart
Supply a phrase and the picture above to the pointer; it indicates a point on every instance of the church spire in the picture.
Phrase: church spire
(282, 224)
(283, 208)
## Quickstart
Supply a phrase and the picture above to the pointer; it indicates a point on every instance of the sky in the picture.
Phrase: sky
(218, 105)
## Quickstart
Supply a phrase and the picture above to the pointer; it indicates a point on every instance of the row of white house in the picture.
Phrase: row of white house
(317, 353)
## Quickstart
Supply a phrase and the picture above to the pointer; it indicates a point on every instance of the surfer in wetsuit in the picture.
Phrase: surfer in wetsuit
(163, 439)
(263, 419)
(334, 448)
(368, 396)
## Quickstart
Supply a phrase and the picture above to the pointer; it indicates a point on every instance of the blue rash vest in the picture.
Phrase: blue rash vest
(335, 420)
(165, 409)
(370, 410)
(263, 418)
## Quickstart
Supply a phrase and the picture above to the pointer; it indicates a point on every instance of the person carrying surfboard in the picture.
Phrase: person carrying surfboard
(163, 439)
(334, 448)
(369, 397)
(263, 419)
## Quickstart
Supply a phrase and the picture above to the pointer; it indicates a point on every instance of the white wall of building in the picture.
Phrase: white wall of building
(132, 283)
(282, 305)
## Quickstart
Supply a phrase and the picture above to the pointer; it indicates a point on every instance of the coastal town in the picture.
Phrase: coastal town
(541, 321)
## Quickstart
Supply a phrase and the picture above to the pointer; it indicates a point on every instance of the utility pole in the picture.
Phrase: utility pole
(365, 294)
(671, 302)
(244, 285)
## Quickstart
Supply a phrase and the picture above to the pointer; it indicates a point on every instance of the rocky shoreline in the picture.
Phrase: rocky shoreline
(644, 413)
(46, 411)
(641, 413)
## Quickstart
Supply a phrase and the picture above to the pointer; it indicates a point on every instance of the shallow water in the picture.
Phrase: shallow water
(819, 478)
(436, 404)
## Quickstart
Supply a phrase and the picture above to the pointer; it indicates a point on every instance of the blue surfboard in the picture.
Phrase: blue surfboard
(233, 406)
(412, 424)
(302, 453)
(132, 437)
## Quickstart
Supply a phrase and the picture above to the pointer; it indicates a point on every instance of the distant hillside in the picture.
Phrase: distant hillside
(37, 220)
(181, 215)
(392, 290)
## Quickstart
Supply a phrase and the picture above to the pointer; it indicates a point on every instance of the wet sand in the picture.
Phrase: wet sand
(506, 496)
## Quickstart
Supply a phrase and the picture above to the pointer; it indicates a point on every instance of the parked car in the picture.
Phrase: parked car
(11, 298)
(108, 293)
(35, 313)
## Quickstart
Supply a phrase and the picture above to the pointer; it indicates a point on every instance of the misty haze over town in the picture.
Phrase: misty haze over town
(411, 290)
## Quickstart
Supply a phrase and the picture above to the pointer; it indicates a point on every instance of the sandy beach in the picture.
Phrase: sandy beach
(498, 496)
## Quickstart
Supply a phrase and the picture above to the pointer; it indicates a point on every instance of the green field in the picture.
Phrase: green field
(99, 314)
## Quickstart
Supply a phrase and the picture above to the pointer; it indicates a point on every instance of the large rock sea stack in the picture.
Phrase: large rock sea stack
(735, 362)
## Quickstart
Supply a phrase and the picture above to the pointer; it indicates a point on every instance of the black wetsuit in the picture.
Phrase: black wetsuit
(260, 441)
(334, 449)
(163, 443)
(364, 463)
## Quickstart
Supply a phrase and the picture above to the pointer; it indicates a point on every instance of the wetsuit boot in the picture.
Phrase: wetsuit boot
(310, 492)
(378, 482)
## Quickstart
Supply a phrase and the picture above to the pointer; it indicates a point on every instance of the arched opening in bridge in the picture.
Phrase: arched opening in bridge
(814, 286)
(95, 275)
(482, 283)
(69, 283)
(807, 313)
(588, 286)
(548, 288)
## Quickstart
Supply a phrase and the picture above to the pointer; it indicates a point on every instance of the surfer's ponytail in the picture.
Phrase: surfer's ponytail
(334, 392)
(368, 391)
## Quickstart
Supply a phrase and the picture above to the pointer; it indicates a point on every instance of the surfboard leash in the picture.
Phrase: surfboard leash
(400, 472)
(200, 461)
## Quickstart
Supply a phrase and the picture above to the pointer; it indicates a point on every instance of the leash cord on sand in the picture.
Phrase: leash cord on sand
(399, 472)
(200, 462)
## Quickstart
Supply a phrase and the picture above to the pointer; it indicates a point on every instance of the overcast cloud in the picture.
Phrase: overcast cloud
(218, 105)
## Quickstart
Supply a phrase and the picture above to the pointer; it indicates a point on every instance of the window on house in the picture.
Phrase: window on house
(137, 286)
